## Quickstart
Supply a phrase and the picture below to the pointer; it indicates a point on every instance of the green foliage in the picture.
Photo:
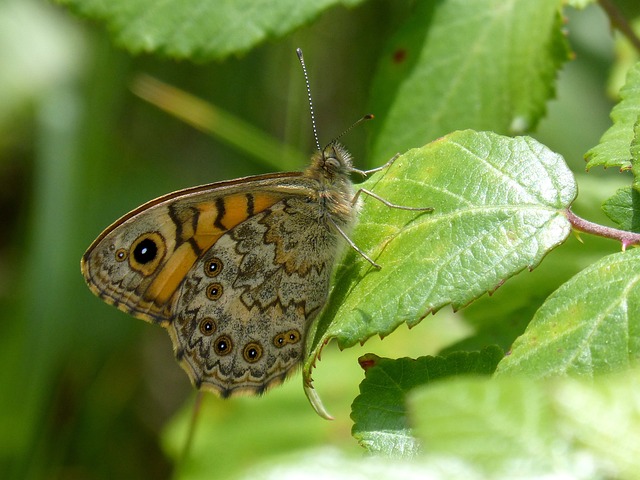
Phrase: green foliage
(95, 394)
(427, 79)
(589, 326)
(614, 149)
(488, 225)
(623, 209)
(200, 30)
(560, 426)
(380, 421)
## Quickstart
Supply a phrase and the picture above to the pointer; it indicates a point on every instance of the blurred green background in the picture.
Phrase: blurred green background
(88, 392)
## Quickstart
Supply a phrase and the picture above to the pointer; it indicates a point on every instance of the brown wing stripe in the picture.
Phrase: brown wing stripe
(221, 213)
(250, 205)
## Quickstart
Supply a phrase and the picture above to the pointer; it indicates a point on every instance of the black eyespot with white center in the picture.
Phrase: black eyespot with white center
(212, 267)
(214, 291)
(294, 336)
(280, 340)
(223, 345)
(121, 255)
(207, 326)
(145, 254)
(252, 352)
(145, 251)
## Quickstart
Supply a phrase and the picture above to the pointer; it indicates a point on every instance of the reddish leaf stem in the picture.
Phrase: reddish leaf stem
(617, 20)
(625, 238)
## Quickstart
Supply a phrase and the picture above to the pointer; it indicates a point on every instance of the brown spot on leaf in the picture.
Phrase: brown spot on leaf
(399, 56)
(368, 361)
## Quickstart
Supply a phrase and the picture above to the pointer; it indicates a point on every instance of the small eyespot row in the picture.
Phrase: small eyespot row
(286, 338)
(214, 291)
(223, 345)
(252, 352)
(208, 326)
(212, 267)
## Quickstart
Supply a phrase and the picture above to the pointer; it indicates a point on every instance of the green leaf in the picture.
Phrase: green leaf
(499, 208)
(590, 325)
(379, 415)
(486, 422)
(485, 65)
(330, 463)
(502, 317)
(624, 209)
(580, 4)
(200, 29)
(614, 147)
(581, 430)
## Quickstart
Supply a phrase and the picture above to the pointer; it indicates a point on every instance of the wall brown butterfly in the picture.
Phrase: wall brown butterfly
(236, 271)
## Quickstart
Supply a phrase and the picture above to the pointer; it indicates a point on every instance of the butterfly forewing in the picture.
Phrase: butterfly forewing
(138, 262)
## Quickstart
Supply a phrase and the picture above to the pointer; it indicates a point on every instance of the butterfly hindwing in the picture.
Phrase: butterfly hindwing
(244, 308)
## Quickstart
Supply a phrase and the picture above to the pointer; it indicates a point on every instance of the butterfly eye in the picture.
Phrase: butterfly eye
(146, 253)
(207, 326)
(252, 352)
(214, 291)
(223, 345)
(212, 267)
(121, 255)
(331, 163)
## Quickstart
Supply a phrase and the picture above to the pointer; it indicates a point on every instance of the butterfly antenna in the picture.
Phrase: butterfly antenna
(306, 81)
(369, 116)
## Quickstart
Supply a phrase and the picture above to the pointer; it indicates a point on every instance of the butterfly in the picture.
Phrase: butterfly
(236, 271)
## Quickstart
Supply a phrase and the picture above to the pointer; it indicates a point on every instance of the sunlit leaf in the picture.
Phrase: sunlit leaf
(624, 209)
(496, 72)
(499, 208)
(379, 415)
(572, 429)
(590, 325)
(614, 147)
(200, 29)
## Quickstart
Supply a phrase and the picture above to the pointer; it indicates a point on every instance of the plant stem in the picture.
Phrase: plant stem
(624, 237)
(618, 21)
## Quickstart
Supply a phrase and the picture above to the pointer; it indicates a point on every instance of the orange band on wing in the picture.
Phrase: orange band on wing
(173, 272)
(215, 218)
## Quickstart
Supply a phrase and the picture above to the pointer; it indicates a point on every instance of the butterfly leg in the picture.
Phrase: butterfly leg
(366, 173)
(387, 202)
(353, 245)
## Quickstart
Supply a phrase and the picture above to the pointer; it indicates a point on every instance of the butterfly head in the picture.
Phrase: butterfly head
(331, 164)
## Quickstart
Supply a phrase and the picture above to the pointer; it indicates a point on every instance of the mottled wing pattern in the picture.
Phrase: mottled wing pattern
(235, 271)
(245, 307)
(139, 262)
